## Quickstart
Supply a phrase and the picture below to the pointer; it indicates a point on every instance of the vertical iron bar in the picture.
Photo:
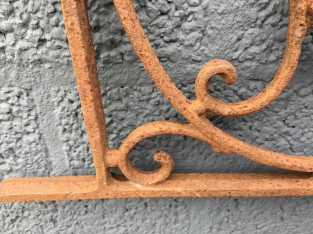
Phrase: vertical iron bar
(80, 42)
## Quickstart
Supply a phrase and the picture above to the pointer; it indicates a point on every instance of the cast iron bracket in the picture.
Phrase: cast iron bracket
(161, 183)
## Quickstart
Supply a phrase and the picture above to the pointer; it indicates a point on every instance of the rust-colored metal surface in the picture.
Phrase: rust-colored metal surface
(161, 183)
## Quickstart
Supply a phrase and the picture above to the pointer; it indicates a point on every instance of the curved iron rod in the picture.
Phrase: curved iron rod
(195, 111)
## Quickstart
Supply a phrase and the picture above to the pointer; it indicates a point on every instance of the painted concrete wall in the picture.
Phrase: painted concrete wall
(42, 131)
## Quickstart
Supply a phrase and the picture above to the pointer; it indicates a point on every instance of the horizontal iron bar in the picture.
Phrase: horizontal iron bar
(177, 185)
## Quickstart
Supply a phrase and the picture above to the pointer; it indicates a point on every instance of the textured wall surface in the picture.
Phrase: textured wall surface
(42, 131)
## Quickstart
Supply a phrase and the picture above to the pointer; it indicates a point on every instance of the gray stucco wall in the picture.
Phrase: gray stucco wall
(42, 131)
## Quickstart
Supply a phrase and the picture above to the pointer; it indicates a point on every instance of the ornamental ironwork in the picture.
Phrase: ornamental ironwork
(161, 182)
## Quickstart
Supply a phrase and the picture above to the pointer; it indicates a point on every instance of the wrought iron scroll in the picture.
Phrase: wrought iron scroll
(161, 182)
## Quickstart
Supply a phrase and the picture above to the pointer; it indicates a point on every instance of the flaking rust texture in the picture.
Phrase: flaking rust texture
(253, 43)
(136, 182)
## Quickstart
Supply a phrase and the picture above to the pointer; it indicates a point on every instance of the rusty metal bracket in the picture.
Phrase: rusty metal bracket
(161, 183)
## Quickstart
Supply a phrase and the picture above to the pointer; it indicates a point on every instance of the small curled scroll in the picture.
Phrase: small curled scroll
(229, 75)
(299, 22)
(150, 177)
(144, 132)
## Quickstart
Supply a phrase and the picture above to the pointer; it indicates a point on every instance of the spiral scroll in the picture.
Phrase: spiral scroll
(144, 132)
